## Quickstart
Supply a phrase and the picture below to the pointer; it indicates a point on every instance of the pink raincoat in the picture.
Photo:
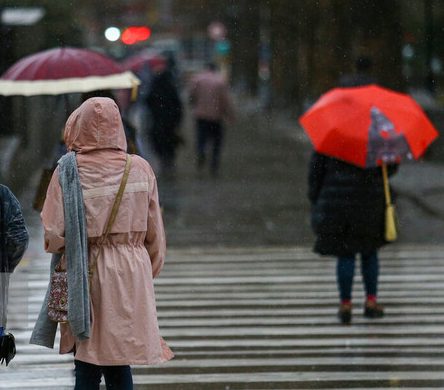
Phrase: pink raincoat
(124, 328)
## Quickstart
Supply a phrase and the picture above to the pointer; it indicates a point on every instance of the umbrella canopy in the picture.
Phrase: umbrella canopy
(65, 70)
(137, 62)
(368, 125)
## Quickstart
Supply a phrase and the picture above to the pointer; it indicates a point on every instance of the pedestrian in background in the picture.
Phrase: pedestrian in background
(348, 218)
(117, 326)
(14, 240)
(165, 106)
(210, 98)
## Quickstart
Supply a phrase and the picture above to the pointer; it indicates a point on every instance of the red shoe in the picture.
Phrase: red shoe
(345, 313)
(373, 310)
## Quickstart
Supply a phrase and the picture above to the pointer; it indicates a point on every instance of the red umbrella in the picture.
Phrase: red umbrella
(153, 61)
(64, 70)
(368, 125)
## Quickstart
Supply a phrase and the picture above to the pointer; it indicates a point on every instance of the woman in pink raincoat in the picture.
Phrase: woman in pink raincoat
(124, 328)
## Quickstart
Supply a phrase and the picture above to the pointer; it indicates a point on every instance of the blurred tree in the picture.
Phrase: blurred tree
(285, 26)
(313, 43)
(244, 28)
(380, 35)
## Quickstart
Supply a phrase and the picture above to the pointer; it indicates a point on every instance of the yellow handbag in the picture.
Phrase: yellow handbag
(391, 233)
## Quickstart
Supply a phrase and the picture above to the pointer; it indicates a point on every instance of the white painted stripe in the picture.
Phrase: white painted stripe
(217, 315)
(367, 341)
(294, 377)
(392, 377)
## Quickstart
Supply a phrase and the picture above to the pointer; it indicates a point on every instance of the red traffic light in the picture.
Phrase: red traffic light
(134, 34)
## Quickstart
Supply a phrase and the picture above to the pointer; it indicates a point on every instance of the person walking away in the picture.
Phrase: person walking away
(165, 107)
(348, 211)
(211, 102)
(14, 239)
(60, 150)
(112, 320)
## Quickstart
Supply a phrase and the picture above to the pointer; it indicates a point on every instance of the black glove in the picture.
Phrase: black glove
(7, 348)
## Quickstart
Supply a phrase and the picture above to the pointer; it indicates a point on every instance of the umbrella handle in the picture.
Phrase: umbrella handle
(134, 91)
(388, 199)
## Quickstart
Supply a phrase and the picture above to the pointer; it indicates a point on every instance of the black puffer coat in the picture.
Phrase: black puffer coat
(348, 206)
(14, 235)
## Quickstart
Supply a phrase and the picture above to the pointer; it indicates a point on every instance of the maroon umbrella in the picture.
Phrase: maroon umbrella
(137, 62)
(65, 70)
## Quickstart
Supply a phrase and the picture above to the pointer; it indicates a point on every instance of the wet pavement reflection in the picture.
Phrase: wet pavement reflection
(257, 199)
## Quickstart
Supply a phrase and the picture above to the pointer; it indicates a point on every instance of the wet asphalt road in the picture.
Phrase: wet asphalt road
(258, 199)
(268, 305)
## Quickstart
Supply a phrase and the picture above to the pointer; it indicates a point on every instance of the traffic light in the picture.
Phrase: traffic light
(135, 34)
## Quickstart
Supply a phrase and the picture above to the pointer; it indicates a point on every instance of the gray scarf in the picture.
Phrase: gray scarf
(76, 252)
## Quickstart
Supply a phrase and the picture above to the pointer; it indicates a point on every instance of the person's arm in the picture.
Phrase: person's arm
(53, 217)
(316, 176)
(155, 239)
(17, 236)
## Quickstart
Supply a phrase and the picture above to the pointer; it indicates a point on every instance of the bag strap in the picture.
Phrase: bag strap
(388, 199)
(113, 214)
(118, 198)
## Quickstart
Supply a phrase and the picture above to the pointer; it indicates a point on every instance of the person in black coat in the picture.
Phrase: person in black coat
(14, 240)
(348, 211)
(165, 105)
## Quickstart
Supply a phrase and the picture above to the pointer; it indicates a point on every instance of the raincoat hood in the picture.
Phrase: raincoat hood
(95, 125)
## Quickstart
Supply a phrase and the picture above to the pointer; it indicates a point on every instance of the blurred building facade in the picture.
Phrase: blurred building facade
(288, 52)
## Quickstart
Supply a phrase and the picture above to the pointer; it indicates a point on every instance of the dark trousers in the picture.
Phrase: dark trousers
(209, 132)
(345, 271)
(88, 376)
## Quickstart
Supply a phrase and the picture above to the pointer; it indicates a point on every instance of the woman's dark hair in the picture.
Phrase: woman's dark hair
(97, 93)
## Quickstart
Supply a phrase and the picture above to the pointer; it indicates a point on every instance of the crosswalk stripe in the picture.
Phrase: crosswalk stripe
(264, 318)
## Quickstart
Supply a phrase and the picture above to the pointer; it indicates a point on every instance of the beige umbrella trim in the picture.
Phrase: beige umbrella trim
(123, 80)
